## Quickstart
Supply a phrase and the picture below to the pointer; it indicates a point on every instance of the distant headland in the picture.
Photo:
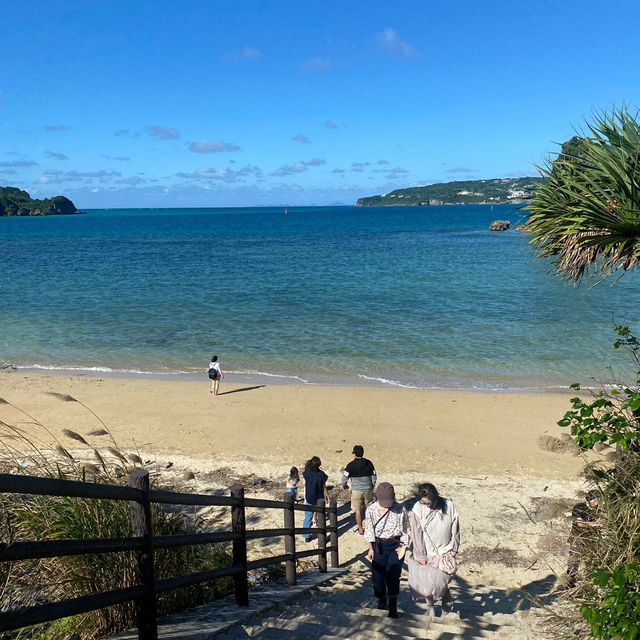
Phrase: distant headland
(16, 202)
(494, 191)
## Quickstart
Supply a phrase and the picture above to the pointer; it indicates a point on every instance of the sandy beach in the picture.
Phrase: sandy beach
(480, 449)
(402, 430)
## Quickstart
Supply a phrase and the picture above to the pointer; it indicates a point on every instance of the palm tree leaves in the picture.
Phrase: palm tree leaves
(587, 213)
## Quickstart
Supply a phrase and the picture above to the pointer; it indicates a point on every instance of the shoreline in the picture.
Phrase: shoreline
(262, 377)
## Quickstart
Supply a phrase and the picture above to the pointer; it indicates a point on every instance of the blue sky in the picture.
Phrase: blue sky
(272, 102)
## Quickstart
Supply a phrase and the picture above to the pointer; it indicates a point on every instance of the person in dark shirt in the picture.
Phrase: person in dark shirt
(363, 477)
(315, 488)
(584, 522)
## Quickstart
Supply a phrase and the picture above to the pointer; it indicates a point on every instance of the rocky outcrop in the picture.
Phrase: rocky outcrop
(499, 225)
(16, 202)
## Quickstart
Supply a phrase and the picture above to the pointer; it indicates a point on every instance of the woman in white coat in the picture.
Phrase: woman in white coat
(435, 534)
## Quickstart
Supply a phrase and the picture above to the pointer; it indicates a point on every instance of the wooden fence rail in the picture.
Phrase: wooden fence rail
(143, 544)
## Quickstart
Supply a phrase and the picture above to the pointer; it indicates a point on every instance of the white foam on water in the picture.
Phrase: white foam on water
(393, 383)
(268, 375)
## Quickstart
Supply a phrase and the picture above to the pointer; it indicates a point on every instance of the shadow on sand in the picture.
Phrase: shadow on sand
(226, 393)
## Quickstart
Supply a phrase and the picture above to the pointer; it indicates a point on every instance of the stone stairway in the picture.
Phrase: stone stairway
(343, 608)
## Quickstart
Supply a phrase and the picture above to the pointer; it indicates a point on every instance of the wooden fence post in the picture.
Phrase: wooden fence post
(239, 525)
(146, 607)
(322, 536)
(290, 538)
(333, 535)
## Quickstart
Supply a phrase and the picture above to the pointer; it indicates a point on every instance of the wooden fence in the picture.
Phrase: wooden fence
(143, 543)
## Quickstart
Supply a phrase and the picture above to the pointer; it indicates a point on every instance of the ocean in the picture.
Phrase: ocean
(406, 296)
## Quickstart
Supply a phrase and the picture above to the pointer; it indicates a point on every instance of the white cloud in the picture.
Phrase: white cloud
(56, 177)
(162, 133)
(297, 167)
(389, 40)
(121, 133)
(330, 125)
(57, 127)
(212, 147)
(223, 175)
(396, 173)
(302, 138)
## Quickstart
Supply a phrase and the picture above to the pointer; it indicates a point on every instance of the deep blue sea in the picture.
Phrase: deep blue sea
(407, 296)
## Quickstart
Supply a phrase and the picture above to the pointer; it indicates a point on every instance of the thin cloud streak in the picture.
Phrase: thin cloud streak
(56, 156)
(162, 133)
(316, 66)
(462, 170)
(18, 164)
(297, 167)
(391, 42)
(212, 147)
(245, 54)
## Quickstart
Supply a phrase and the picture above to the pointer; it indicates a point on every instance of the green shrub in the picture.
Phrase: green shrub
(617, 614)
(607, 592)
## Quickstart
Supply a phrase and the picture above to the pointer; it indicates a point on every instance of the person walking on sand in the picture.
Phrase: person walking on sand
(363, 477)
(386, 529)
(215, 375)
(435, 535)
(315, 488)
(294, 482)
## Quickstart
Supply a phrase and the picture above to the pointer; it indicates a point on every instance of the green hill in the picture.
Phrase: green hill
(494, 191)
(15, 202)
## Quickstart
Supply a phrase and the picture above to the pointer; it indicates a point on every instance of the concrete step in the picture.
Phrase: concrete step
(443, 629)
(289, 629)
(355, 623)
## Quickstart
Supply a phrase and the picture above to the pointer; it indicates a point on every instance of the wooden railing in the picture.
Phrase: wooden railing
(143, 543)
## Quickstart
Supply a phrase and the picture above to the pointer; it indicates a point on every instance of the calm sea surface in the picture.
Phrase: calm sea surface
(409, 296)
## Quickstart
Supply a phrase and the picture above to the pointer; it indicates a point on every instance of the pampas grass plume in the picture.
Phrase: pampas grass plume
(65, 397)
(98, 432)
(74, 436)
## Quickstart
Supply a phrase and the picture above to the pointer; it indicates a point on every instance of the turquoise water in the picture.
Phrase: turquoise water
(410, 296)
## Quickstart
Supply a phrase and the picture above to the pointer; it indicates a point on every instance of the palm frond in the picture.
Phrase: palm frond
(587, 214)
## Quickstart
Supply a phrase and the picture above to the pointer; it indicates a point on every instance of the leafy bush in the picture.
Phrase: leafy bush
(607, 592)
(612, 418)
(617, 614)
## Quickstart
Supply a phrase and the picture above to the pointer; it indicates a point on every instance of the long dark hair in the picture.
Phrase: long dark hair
(294, 474)
(313, 465)
(427, 490)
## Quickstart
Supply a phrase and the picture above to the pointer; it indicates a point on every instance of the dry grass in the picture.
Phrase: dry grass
(36, 451)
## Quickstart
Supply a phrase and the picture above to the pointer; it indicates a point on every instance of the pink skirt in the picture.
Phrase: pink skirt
(427, 581)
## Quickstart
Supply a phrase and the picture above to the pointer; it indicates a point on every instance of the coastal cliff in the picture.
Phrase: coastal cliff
(494, 191)
(15, 202)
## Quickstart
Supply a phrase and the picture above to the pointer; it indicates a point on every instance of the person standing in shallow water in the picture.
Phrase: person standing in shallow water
(386, 529)
(215, 375)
